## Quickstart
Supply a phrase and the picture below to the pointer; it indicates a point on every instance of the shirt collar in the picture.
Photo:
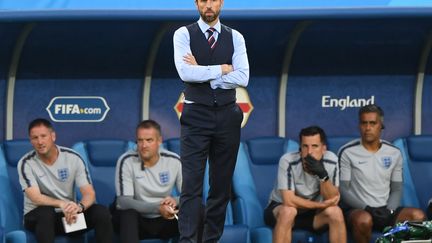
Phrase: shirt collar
(204, 26)
(142, 162)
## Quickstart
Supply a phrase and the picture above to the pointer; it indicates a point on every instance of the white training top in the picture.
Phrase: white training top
(57, 180)
(370, 174)
(291, 176)
(148, 184)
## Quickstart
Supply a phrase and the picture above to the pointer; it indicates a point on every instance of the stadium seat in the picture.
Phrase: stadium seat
(101, 158)
(336, 142)
(11, 198)
(409, 196)
(255, 174)
(173, 145)
(417, 154)
(233, 231)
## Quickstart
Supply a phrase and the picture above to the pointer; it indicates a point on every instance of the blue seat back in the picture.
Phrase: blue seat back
(264, 155)
(336, 142)
(229, 217)
(173, 145)
(409, 197)
(12, 195)
(255, 174)
(418, 154)
(101, 158)
(250, 207)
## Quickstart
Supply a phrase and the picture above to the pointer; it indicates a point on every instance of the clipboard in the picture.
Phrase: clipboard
(78, 225)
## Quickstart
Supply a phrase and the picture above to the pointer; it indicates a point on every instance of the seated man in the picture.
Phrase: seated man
(371, 179)
(306, 194)
(48, 176)
(144, 183)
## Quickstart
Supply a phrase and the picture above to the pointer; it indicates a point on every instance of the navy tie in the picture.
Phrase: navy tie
(211, 39)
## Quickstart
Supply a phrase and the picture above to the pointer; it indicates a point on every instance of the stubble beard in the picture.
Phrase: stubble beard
(210, 19)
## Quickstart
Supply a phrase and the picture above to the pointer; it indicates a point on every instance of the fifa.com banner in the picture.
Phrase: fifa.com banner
(78, 109)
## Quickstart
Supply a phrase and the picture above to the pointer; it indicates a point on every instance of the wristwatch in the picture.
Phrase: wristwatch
(81, 206)
(326, 178)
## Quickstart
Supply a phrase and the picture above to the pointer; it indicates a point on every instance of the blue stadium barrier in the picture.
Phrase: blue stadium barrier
(179, 4)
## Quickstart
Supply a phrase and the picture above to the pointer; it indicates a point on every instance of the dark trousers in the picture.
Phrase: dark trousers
(45, 223)
(133, 227)
(213, 133)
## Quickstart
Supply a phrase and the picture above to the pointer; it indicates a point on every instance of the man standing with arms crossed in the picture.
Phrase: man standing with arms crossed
(211, 60)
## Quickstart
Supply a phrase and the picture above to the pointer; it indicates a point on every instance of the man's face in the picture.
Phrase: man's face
(370, 127)
(209, 9)
(42, 139)
(148, 141)
(312, 145)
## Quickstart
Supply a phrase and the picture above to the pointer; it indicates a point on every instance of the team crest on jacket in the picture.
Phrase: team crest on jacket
(386, 161)
(164, 177)
(63, 174)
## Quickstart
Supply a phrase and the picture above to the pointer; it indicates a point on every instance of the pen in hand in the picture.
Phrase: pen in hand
(174, 212)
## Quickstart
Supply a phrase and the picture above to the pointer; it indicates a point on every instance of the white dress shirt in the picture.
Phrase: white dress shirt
(239, 77)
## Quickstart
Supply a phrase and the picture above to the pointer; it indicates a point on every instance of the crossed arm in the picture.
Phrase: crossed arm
(166, 207)
(223, 76)
(329, 192)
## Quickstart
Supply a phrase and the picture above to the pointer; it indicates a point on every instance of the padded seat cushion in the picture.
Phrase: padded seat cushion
(266, 150)
(420, 148)
(173, 145)
(419, 153)
(335, 143)
(15, 149)
(105, 152)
